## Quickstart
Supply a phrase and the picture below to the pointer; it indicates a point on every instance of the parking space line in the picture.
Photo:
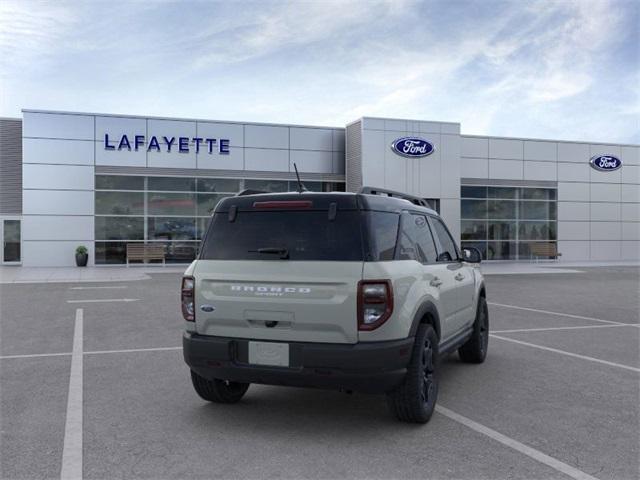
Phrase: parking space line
(515, 445)
(569, 354)
(560, 314)
(133, 350)
(99, 300)
(98, 288)
(34, 355)
(524, 330)
(72, 447)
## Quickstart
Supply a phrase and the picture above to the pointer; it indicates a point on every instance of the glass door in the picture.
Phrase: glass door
(11, 241)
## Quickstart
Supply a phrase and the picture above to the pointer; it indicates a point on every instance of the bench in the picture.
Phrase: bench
(144, 252)
(546, 250)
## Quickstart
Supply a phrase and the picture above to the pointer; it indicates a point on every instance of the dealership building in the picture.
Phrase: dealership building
(109, 181)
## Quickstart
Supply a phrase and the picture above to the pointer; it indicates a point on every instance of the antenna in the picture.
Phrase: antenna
(301, 187)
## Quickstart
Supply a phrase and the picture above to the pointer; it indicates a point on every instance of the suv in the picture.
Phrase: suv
(356, 292)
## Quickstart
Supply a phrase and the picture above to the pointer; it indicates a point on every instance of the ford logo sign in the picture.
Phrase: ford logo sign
(605, 163)
(412, 147)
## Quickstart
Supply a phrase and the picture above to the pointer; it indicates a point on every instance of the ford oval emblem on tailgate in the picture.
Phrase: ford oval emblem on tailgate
(207, 308)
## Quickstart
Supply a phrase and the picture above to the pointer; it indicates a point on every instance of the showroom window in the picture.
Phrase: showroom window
(504, 222)
(171, 211)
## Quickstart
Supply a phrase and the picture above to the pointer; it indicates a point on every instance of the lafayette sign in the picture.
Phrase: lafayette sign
(158, 144)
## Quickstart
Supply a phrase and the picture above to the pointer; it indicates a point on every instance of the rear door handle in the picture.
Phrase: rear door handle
(436, 282)
(459, 277)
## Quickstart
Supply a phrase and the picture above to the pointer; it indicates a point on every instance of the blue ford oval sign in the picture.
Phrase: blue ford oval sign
(605, 163)
(412, 147)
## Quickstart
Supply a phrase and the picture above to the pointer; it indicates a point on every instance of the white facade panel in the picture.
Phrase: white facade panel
(59, 152)
(450, 128)
(311, 161)
(604, 192)
(170, 129)
(57, 202)
(122, 158)
(574, 172)
(54, 125)
(230, 131)
(474, 167)
(429, 127)
(398, 125)
(630, 193)
(52, 253)
(605, 230)
(372, 123)
(339, 162)
(605, 177)
(428, 172)
(338, 142)
(45, 227)
(266, 159)
(605, 212)
(57, 177)
(450, 169)
(311, 139)
(630, 155)
(630, 212)
(599, 149)
(450, 211)
(630, 230)
(573, 250)
(629, 250)
(264, 136)
(574, 211)
(573, 152)
(174, 159)
(535, 150)
(605, 251)
(573, 192)
(573, 230)
(540, 171)
(234, 160)
(474, 147)
(506, 169)
(630, 174)
(116, 127)
(506, 149)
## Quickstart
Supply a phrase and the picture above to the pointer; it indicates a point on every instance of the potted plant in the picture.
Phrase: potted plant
(82, 256)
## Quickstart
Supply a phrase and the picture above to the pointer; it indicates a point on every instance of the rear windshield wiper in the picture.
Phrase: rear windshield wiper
(283, 252)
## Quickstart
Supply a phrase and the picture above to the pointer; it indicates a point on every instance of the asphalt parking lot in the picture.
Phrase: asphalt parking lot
(558, 396)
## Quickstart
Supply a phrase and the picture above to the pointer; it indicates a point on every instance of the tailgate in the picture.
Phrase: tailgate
(305, 301)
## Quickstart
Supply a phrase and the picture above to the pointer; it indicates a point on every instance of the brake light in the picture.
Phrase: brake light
(375, 303)
(284, 204)
(187, 298)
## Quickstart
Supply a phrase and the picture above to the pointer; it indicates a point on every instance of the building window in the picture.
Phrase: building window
(171, 211)
(504, 222)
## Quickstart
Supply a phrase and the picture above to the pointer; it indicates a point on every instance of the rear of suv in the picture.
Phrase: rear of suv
(355, 292)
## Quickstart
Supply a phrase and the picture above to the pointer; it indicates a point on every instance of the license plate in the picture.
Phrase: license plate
(269, 353)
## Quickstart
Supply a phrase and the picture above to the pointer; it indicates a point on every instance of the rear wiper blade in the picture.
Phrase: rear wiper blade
(283, 252)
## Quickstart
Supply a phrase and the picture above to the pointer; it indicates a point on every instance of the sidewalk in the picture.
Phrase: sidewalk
(11, 274)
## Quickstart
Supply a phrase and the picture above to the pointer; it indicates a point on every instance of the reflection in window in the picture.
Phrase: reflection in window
(119, 203)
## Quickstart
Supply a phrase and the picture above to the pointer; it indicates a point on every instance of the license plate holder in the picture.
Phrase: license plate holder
(269, 353)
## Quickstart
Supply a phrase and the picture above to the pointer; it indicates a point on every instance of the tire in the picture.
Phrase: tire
(218, 391)
(475, 349)
(415, 399)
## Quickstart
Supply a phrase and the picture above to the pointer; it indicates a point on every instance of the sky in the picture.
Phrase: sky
(537, 69)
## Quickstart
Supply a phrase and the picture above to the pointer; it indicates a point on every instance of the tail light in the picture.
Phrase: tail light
(187, 298)
(375, 303)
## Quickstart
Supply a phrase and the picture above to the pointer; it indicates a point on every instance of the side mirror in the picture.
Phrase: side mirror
(471, 255)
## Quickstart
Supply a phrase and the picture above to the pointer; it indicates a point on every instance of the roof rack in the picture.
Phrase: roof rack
(249, 191)
(390, 193)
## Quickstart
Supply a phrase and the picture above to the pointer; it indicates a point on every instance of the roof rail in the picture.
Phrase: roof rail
(390, 193)
(249, 191)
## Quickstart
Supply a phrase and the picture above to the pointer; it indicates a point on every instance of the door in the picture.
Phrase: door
(463, 275)
(11, 241)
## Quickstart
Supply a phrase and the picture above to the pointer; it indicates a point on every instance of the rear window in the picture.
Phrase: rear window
(303, 235)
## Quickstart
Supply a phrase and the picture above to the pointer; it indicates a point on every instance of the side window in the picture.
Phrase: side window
(449, 252)
(416, 242)
(383, 232)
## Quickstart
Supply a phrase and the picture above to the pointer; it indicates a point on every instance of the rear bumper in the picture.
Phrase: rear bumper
(374, 367)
